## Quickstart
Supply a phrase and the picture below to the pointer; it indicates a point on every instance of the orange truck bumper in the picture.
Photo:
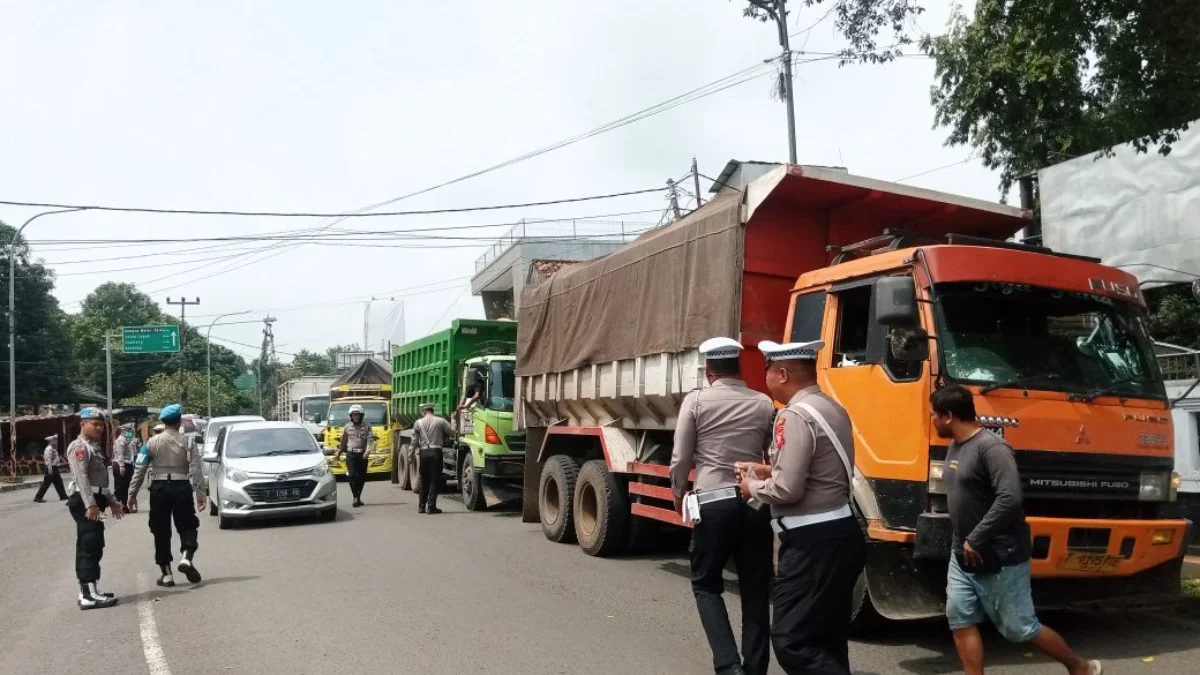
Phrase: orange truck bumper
(1070, 547)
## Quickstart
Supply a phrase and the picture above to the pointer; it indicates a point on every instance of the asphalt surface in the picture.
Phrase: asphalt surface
(386, 590)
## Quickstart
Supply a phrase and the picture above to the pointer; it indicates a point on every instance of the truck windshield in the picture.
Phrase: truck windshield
(374, 414)
(995, 333)
(502, 384)
(314, 409)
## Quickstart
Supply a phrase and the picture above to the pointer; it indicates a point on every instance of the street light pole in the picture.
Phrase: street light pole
(208, 366)
(12, 335)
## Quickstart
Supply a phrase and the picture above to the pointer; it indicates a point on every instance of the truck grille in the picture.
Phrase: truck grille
(281, 491)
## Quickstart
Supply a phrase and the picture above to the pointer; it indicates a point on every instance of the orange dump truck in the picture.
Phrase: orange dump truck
(909, 289)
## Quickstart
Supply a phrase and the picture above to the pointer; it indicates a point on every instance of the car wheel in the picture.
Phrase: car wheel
(212, 504)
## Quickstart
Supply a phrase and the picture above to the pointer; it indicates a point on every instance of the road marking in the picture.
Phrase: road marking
(156, 660)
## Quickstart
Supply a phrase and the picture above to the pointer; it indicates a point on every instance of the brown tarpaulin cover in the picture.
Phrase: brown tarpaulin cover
(667, 291)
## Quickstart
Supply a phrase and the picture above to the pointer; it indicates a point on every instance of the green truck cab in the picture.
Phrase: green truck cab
(468, 373)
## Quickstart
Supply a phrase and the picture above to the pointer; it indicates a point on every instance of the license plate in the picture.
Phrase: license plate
(292, 493)
(1089, 562)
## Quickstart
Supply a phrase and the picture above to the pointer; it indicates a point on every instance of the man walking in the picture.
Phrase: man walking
(719, 426)
(89, 497)
(821, 545)
(173, 462)
(355, 446)
(989, 562)
(53, 466)
(122, 464)
(429, 434)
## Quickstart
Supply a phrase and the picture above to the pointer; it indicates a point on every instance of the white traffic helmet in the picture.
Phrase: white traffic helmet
(356, 408)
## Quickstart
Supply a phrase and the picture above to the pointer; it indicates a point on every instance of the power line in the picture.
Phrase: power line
(356, 214)
(969, 158)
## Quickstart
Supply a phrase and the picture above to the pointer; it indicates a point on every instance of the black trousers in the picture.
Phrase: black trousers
(356, 472)
(51, 477)
(812, 596)
(89, 538)
(430, 465)
(730, 529)
(171, 500)
(121, 482)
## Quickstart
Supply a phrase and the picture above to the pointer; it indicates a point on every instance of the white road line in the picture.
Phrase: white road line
(156, 660)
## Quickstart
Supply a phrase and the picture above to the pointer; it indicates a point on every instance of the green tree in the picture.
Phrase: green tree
(1174, 316)
(1029, 83)
(163, 388)
(860, 22)
(43, 353)
(310, 363)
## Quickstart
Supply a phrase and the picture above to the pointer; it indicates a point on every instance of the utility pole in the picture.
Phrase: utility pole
(673, 191)
(183, 305)
(108, 367)
(777, 10)
(696, 181)
(267, 354)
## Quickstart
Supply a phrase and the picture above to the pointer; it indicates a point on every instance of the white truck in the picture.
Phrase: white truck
(305, 400)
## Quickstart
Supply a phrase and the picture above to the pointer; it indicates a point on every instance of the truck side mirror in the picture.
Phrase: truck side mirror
(908, 344)
(896, 302)
(295, 407)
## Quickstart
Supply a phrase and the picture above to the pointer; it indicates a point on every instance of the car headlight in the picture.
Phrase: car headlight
(1154, 487)
(320, 470)
(235, 475)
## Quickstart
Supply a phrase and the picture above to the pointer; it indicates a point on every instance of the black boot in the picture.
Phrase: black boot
(167, 580)
(188, 568)
(421, 508)
(90, 599)
(431, 509)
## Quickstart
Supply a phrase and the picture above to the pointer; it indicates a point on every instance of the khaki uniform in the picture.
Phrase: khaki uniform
(172, 462)
(356, 440)
(88, 488)
(429, 435)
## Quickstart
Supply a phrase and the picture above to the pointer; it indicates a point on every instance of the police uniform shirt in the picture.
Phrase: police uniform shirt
(121, 451)
(807, 474)
(52, 459)
(88, 470)
(718, 426)
(431, 432)
(170, 452)
(355, 437)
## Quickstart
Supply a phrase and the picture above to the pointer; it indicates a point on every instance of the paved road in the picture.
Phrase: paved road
(385, 590)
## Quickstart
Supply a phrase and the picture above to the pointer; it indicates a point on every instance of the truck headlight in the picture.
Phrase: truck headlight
(235, 475)
(1154, 487)
(937, 473)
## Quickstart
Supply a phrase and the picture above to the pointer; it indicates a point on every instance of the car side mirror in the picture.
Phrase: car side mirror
(908, 344)
(211, 459)
(895, 302)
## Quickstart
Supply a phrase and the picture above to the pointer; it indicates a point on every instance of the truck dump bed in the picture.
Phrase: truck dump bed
(612, 343)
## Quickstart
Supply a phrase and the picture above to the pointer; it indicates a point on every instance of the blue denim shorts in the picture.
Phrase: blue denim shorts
(1004, 598)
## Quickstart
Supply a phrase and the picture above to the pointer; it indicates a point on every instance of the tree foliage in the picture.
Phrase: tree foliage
(860, 22)
(42, 346)
(1175, 316)
(1029, 83)
(163, 389)
(306, 363)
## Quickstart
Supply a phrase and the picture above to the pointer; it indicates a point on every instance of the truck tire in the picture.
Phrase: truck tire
(395, 477)
(601, 510)
(414, 474)
(556, 495)
(470, 484)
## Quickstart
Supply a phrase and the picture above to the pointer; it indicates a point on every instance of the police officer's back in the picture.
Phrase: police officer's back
(719, 426)
(172, 462)
(429, 435)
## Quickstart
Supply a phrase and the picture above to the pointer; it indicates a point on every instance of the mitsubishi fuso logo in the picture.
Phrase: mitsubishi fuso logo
(1082, 437)
(1080, 483)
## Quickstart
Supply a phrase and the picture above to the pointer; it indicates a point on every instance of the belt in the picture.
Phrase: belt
(94, 490)
(716, 495)
(781, 525)
(170, 476)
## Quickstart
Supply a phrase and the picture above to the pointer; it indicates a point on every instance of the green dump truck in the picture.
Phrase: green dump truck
(468, 373)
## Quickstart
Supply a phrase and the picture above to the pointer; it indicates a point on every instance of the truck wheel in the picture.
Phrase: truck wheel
(470, 482)
(414, 474)
(395, 475)
(556, 494)
(601, 510)
(406, 476)
(864, 618)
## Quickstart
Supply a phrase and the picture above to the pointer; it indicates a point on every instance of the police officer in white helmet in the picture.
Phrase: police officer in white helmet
(357, 439)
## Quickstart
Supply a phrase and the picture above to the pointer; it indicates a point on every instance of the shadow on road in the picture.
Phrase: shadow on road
(158, 592)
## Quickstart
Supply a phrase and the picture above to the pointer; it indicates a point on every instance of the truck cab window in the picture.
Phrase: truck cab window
(853, 325)
(808, 317)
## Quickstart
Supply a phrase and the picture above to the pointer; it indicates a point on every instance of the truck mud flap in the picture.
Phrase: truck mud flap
(900, 588)
(496, 493)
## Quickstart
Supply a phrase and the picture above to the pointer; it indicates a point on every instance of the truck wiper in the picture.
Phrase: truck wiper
(1114, 389)
(1018, 381)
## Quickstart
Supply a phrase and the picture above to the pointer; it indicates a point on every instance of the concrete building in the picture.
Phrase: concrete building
(505, 268)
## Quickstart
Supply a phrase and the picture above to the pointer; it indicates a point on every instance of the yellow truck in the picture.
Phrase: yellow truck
(368, 385)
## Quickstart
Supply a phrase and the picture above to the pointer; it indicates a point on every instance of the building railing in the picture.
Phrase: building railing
(1181, 366)
(582, 231)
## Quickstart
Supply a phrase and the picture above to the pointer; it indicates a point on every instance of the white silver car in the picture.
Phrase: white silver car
(268, 470)
(215, 425)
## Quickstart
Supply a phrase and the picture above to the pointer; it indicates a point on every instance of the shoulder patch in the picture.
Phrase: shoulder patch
(80, 454)
(780, 422)
(143, 457)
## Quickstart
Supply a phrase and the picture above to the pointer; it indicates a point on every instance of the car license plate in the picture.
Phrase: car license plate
(1089, 562)
(291, 493)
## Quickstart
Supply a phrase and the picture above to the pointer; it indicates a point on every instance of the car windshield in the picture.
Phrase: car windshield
(374, 414)
(268, 442)
(995, 333)
(188, 426)
(502, 385)
(215, 427)
(315, 409)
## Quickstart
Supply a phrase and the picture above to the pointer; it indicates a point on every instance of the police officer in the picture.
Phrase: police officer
(89, 497)
(54, 465)
(719, 426)
(821, 546)
(429, 434)
(173, 462)
(122, 464)
(355, 446)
